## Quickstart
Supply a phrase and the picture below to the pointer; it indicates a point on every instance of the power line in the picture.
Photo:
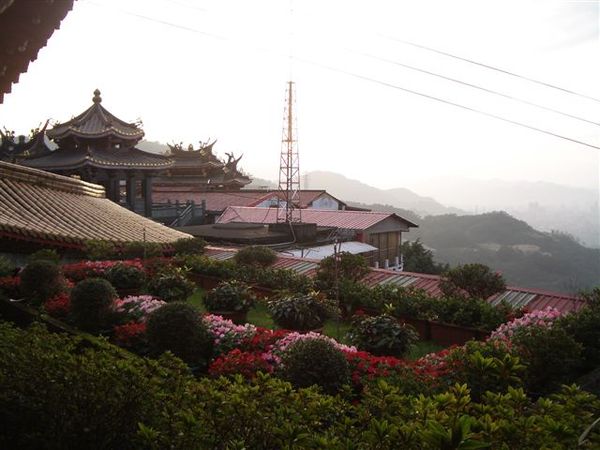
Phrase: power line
(487, 66)
(448, 102)
(491, 91)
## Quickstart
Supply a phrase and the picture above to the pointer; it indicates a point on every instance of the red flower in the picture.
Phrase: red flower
(130, 334)
(58, 306)
(10, 286)
(247, 364)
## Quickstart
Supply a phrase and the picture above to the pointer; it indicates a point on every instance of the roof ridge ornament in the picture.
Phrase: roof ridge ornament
(97, 98)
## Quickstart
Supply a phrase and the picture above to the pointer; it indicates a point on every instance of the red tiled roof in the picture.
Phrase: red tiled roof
(353, 220)
(220, 200)
(532, 299)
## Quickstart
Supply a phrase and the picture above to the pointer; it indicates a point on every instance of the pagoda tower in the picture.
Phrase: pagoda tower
(98, 147)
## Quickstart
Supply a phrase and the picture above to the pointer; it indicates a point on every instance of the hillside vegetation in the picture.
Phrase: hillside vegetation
(525, 256)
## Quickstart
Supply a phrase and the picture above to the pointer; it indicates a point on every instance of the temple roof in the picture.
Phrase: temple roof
(96, 122)
(26, 27)
(37, 206)
(128, 158)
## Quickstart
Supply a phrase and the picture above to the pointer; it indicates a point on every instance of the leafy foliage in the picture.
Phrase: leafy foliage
(311, 362)
(177, 327)
(7, 268)
(126, 276)
(131, 250)
(420, 260)
(171, 285)
(100, 250)
(349, 267)
(45, 254)
(91, 302)
(471, 280)
(230, 296)
(255, 255)
(301, 312)
(189, 246)
(382, 335)
(41, 280)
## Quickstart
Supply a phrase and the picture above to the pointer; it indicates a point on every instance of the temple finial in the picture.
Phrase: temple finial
(97, 98)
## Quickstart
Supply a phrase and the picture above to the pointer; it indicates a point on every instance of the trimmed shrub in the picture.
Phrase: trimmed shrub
(7, 268)
(189, 246)
(132, 250)
(382, 336)
(178, 328)
(45, 254)
(311, 362)
(100, 250)
(471, 280)
(301, 312)
(584, 327)
(551, 356)
(234, 296)
(41, 280)
(255, 255)
(125, 276)
(171, 285)
(91, 302)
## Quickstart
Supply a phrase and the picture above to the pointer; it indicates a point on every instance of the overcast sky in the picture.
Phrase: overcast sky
(193, 70)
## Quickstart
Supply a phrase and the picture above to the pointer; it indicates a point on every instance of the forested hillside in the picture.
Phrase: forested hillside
(525, 256)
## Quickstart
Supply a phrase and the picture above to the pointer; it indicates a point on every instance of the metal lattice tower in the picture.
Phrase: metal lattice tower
(288, 206)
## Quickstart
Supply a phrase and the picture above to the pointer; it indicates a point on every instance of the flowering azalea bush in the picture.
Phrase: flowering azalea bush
(247, 364)
(544, 318)
(226, 334)
(131, 335)
(10, 286)
(137, 307)
(92, 269)
(58, 306)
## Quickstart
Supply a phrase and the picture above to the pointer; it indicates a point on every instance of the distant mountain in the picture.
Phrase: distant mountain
(546, 206)
(353, 190)
(525, 256)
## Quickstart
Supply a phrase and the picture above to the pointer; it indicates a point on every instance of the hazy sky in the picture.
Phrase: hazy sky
(193, 70)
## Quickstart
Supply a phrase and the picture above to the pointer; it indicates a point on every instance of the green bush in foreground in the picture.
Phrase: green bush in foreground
(255, 255)
(311, 362)
(41, 280)
(382, 335)
(177, 327)
(48, 402)
(91, 301)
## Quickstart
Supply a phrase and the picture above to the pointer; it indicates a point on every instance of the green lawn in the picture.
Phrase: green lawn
(260, 317)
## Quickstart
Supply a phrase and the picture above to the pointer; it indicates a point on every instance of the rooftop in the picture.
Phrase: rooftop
(353, 220)
(38, 206)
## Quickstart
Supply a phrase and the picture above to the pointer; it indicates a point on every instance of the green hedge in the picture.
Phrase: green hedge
(61, 392)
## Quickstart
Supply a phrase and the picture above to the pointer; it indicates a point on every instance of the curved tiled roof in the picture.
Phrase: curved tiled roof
(43, 207)
(96, 122)
(532, 299)
(64, 159)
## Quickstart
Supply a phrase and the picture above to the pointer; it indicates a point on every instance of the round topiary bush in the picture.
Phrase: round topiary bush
(7, 268)
(178, 328)
(311, 362)
(255, 255)
(91, 302)
(301, 312)
(382, 335)
(41, 280)
(231, 296)
(171, 285)
(126, 276)
(45, 254)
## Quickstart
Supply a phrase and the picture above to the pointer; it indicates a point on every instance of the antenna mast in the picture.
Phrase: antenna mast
(288, 206)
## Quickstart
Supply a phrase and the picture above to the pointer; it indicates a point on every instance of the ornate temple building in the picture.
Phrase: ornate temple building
(98, 147)
(16, 149)
(202, 170)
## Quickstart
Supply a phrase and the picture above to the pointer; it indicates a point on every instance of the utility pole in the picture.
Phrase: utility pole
(288, 205)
